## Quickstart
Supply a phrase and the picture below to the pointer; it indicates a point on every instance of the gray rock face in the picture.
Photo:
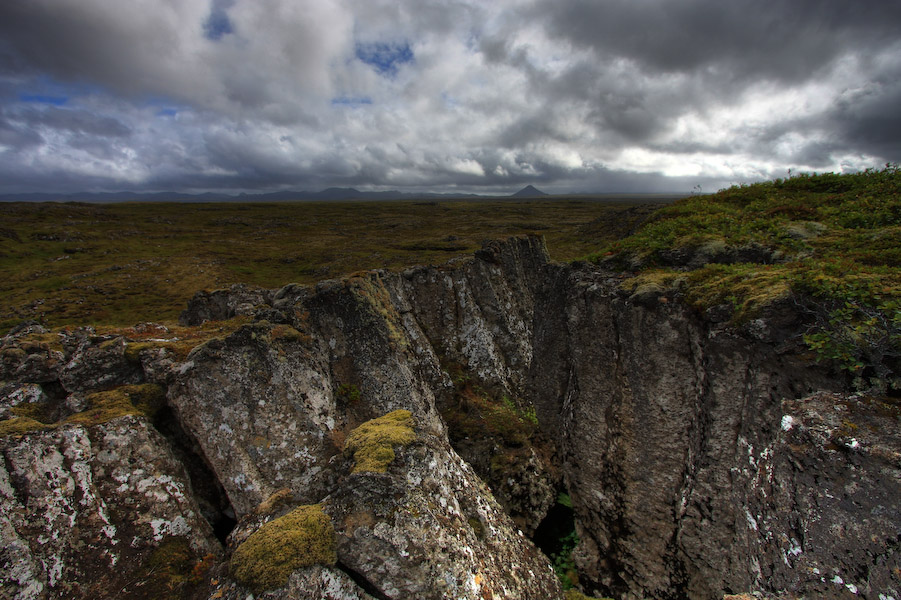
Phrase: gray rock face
(429, 528)
(219, 305)
(85, 509)
(261, 408)
(683, 480)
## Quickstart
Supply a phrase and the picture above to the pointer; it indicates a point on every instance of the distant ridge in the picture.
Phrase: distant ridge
(528, 192)
(283, 196)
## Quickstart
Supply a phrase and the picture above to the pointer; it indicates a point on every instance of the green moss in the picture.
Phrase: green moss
(369, 288)
(835, 241)
(573, 594)
(174, 568)
(372, 443)
(13, 355)
(475, 414)
(301, 538)
(289, 334)
(144, 399)
(21, 426)
(39, 411)
(655, 281)
(349, 392)
(748, 288)
(477, 527)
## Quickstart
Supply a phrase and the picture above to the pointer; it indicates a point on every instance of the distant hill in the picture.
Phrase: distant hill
(283, 196)
(528, 192)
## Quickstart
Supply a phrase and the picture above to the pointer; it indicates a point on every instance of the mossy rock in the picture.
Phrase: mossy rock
(301, 538)
(180, 349)
(372, 443)
(21, 426)
(144, 400)
(573, 594)
(173, 570)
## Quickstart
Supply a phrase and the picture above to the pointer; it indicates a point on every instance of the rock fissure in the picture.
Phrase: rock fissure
(701, 458)
(361, 581)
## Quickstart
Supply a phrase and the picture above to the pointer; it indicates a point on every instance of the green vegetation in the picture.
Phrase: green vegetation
(477, 414)
(564, 565)
(574, 594)
(372, 443)
(173, 569)
(830, 242)
(143, 399)
(301, 538)
(120, 264)
(22, 425)
(349, 393)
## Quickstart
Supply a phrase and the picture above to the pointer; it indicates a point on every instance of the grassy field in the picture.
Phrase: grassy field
(121, 264)
(831, 243)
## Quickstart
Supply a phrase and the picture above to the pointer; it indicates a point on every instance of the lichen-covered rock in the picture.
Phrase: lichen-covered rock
(428, 528)
(823, 513)
(99, 364)
(261, 408)
(702, 458)
(15, 394)
(309, 583)
(219, 305)
(670, 423)
(29, 354)
(84, 510)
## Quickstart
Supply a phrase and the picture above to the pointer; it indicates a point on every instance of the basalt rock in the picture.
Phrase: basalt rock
(684, 480)
(88, 512)
(702, 458)
(219, 305)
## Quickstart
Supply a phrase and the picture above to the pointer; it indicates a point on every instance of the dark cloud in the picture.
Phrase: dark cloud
(725, 41)
(76, 121)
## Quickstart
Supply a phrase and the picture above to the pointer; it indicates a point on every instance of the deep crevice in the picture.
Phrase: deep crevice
(363, 583)
(556, 537)
(209, 493)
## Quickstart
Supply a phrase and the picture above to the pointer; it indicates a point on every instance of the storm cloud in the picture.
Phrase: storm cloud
(242, 95)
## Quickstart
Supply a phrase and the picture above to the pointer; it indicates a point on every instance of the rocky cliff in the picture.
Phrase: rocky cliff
(403, 435)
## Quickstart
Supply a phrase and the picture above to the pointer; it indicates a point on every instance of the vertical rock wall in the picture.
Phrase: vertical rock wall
(669, 421)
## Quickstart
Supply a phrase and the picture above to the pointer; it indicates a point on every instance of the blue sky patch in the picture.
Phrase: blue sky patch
(351, 100)
(218, 24)
(385, 58)
(166, 112)
(44, 99)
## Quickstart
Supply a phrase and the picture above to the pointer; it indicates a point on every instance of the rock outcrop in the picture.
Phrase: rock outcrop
(701, 458)
(686, 480)
(98, 512)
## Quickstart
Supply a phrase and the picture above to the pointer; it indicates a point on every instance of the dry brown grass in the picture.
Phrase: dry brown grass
(120, 264)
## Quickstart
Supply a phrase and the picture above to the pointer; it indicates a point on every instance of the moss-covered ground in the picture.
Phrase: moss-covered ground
(830, 241)
(121, 264)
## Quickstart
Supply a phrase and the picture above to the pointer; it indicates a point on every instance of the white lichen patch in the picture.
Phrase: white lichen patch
(787, 422)
(752, 522)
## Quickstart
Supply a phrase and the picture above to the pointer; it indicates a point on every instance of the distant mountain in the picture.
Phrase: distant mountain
(528, 192)
(283, 196)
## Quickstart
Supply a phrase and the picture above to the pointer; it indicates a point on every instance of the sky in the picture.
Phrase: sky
(451, 96)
